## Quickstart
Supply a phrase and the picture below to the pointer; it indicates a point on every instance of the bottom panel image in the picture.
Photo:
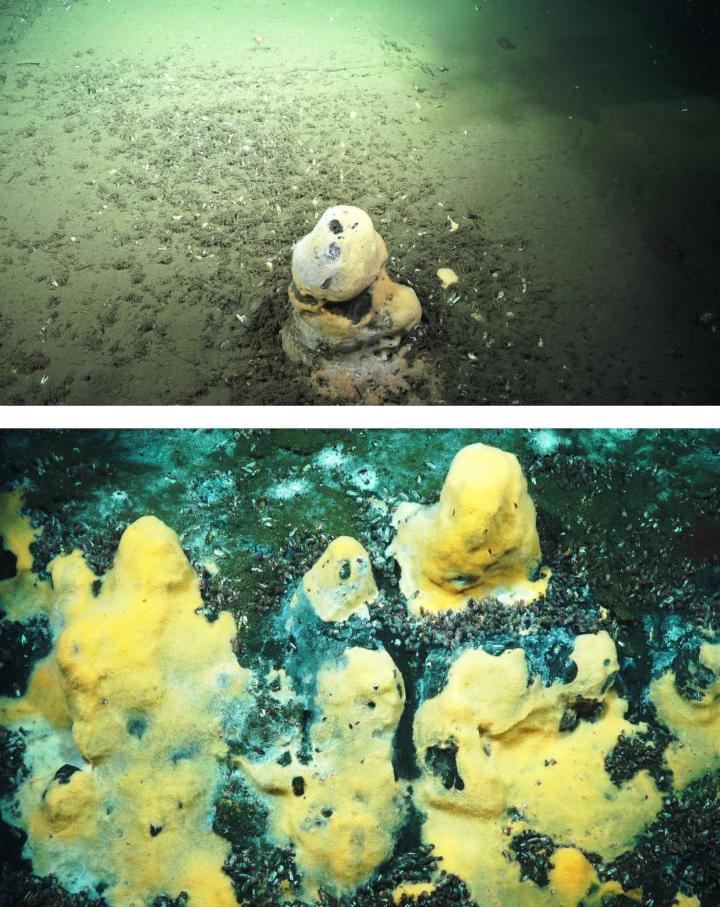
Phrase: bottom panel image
(360, 668)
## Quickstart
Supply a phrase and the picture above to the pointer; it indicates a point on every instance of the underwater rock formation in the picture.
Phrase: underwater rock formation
(478, 540)
(24, 595)
(340, 257)
(695, 722)
(348, 318)
(16, 529)
(523, 760)
(466, 754)
(340, 583)
(341, 810)
(123, 727)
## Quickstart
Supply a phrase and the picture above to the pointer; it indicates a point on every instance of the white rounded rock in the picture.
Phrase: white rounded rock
(340, 257)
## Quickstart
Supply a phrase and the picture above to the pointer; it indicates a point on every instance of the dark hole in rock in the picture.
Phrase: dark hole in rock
(569, 720)
(182, 752)
(442, 761)
(559, 663)
(304, 753)
(298, 785)
(354, 309)
(8, 563)
(333, 252)
(570, 672)
(137, 726)
(335, 226)
(285, 759)
(327, 812)
(96, 587)
(581, 710)
(371, 704)
(610, 680)
(345, 570)
(588, 709)
(155, 830)
(463, 580)
(304, 298)
(65, 773)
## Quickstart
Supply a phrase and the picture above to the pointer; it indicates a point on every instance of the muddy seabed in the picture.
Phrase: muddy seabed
(157, 164)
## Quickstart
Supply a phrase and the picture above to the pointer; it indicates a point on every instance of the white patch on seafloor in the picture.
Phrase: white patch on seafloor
(287, 489)
(546, 441)
(332, 457)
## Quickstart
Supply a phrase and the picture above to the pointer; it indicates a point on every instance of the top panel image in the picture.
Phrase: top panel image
(467, 202)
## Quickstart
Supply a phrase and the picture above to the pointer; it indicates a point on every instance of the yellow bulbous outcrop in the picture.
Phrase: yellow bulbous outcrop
(348, 319)
(502, 731)
(341, 297)
(478, 540)
(341, 811)
(694, 722)
(130, 705)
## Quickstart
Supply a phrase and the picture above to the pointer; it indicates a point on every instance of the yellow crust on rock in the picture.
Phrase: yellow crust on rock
(132, 696)
(360, 252)
(23, 595)
(510, 753)
(17, 530)
(478, 540)
(571, 877)
(696, 723)
(341, 582)
(393, 311)
(343, 824)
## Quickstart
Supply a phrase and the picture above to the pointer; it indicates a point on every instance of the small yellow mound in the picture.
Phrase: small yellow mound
(341, 582)
(447, 277)
(682, 900)
(571, 876)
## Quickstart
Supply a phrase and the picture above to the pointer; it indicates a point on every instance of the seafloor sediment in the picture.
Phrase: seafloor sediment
(158, 162)
(328, 744)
